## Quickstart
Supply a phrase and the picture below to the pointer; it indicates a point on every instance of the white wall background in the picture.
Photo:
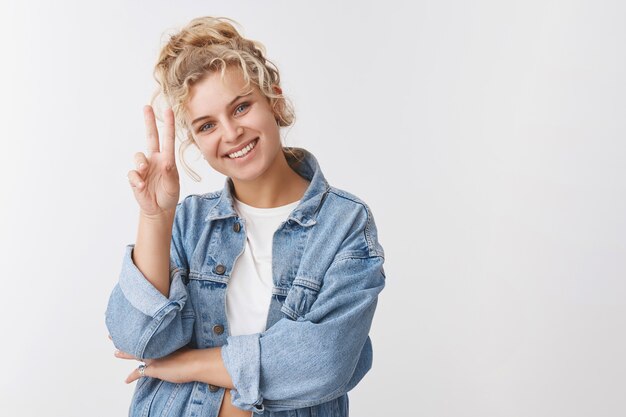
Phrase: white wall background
(486, 136)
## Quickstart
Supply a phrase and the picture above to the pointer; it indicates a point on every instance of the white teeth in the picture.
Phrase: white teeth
(242, 152)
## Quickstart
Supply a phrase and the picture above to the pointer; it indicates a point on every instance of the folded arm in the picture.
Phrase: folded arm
(313, 358)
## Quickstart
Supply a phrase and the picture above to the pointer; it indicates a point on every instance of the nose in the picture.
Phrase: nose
(232, 131)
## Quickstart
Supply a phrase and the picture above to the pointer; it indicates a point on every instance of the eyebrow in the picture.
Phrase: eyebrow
(229, 104)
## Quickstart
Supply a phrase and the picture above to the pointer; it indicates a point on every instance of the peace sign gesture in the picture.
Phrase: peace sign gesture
(155, 181)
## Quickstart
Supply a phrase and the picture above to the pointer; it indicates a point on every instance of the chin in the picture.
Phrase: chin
(246, 178)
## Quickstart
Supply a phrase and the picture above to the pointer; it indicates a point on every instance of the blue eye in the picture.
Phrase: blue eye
(241, 107)
(238, 110)
(202, 128)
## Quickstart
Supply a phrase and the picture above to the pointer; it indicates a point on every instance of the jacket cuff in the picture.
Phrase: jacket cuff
(242, 359)
(141, 294)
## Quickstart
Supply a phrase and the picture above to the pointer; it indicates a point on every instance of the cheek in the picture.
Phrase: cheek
(213, 161)
(206, 147)
(270, 126)
(263, 119)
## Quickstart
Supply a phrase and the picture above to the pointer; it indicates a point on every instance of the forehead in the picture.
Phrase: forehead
(213, 92)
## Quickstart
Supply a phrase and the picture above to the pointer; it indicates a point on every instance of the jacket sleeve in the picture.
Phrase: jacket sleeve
(317, 357)
(140, 319)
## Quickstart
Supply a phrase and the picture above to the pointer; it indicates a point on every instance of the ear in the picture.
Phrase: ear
(278, 106)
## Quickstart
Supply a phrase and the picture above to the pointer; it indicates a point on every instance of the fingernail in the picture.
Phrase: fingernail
(141, 165)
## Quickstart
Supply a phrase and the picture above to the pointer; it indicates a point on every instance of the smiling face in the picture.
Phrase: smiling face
(234, 127)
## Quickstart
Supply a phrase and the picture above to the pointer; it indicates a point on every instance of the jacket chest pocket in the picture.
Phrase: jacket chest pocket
(300, 297)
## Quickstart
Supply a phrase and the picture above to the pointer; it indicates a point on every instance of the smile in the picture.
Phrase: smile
(244, 151)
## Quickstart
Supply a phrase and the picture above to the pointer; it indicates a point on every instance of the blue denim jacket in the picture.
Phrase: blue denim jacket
(328, 271)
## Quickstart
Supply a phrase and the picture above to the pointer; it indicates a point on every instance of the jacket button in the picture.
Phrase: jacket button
(236, 227)
(218, 329)
(220, 269)
(213, 388)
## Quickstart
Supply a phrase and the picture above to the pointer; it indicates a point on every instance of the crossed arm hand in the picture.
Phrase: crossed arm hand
(188, 365)
(184, 365)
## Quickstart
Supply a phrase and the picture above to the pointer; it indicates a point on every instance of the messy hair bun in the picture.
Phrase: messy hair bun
(207, 45)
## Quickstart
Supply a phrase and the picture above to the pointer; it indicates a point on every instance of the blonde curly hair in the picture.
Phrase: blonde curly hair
(206, 45)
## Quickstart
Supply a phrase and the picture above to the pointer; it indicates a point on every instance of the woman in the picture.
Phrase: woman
(255, 298)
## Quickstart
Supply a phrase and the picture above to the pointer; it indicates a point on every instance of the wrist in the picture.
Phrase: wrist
(200, 367)
(209, 368)
(162, 216)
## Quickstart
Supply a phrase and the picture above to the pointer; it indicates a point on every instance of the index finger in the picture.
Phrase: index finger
(169, 133)
(152, 134)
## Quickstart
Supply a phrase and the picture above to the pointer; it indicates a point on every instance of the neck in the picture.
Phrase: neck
(279, 186)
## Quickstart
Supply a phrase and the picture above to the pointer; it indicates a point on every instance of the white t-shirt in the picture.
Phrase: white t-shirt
(249, 290)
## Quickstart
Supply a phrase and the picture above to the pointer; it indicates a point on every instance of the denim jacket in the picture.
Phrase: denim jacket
(327, 268)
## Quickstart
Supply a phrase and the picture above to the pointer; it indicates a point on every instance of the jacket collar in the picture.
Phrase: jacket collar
(305, 164)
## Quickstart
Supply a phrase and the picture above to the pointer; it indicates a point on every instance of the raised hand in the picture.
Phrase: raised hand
(155, 180)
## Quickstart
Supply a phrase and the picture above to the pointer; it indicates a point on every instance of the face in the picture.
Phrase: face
(234, 128)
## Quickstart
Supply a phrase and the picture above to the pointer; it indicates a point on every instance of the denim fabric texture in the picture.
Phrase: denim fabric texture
(327, 269)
